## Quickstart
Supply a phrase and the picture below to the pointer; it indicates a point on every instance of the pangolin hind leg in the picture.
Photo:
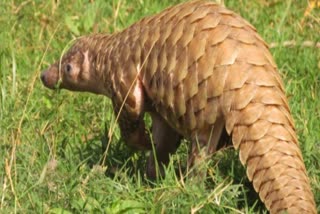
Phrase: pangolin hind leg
(203, 146)
(166, 142)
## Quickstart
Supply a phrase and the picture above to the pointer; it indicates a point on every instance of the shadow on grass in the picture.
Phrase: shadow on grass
(122, 161)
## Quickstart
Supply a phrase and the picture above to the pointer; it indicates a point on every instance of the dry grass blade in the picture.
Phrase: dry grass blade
(293, 43)
(31, 88)
(312, 4)
(8, 169)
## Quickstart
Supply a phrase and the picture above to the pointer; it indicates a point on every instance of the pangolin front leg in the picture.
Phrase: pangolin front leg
(134, 132)
(166, 141)
(130, 119)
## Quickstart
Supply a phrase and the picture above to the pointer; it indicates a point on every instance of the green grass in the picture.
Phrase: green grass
(50, 143)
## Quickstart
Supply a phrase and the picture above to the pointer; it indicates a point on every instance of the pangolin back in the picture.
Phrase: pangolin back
(199, 61)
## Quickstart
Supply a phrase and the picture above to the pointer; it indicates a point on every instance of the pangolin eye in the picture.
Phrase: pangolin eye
(68, 68)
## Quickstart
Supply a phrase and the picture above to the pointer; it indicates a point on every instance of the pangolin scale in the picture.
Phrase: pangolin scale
(198, 68)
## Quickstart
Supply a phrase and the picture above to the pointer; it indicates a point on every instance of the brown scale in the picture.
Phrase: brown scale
(203, 73)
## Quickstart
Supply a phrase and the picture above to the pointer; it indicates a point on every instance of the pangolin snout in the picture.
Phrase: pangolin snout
(49, 78)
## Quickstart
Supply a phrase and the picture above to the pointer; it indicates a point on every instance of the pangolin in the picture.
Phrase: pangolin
(198, 69)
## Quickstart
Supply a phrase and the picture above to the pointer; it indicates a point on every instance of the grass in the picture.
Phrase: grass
(51, 142)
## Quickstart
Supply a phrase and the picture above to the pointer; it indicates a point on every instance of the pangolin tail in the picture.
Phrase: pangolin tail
(262, 129)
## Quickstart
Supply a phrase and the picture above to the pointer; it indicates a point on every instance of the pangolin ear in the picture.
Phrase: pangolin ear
(86, 62)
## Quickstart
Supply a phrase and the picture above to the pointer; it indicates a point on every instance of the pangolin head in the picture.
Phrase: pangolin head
(75, 71)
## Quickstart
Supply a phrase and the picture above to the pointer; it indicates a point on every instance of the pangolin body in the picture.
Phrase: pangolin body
(198, 68)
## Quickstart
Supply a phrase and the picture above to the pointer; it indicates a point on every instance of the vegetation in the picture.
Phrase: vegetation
(50, 142)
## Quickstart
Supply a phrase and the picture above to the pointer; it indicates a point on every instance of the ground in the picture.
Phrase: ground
(51, 141)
